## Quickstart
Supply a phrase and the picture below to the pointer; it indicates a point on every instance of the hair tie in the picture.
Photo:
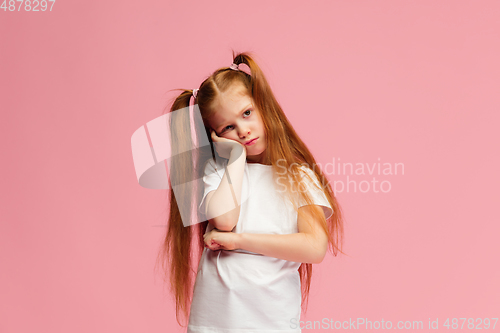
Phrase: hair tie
(234, 67)
(195, 92)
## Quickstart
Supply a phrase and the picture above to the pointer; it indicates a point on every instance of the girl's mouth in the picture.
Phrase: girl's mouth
(251, 142)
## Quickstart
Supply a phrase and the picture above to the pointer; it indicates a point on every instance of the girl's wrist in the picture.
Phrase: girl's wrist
(237, 241)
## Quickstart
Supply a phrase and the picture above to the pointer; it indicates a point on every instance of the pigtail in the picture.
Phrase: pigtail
(176, 254)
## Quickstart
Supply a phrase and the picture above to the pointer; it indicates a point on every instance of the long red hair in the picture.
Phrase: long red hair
(182, 247)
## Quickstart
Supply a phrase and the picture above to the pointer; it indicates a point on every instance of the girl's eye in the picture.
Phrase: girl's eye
(247, 112)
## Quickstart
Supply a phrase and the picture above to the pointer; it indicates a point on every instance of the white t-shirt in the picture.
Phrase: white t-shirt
(241, 291)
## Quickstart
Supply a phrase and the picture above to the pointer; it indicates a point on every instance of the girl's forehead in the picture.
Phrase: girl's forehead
(235, 91)
(232, 98)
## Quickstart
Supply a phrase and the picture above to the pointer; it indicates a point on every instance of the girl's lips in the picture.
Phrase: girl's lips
(251, 142)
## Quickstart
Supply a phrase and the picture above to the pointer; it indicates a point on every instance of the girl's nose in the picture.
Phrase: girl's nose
(244, 134)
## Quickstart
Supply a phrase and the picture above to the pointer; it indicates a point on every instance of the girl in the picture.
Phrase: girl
(269, 212)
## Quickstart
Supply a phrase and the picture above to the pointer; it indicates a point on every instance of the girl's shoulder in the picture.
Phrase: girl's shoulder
(304, 169)
(308, 175)
(301, 170)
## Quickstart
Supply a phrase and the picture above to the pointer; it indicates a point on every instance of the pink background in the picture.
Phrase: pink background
(407, 82)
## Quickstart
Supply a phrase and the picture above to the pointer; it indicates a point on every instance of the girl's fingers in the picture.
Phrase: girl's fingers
(213, 246)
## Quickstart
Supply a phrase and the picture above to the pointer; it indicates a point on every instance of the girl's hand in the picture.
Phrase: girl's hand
(220, 240)
(225, 146)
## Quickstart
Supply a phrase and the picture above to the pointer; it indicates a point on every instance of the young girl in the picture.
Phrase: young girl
(269, 213)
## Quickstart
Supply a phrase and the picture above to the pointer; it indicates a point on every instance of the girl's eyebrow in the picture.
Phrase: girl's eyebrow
(222, 123)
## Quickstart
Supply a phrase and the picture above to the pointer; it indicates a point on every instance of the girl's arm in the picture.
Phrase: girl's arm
(309, 245)
(223, 204)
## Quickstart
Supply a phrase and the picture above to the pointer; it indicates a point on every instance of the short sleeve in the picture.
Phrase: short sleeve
(212, 178)
(316, 191)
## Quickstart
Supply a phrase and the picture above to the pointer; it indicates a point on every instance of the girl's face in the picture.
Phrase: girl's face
(237, 119)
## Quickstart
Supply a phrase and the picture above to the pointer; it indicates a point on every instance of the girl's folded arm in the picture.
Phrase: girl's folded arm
(223, 204)
(309, 245)
(220, 222)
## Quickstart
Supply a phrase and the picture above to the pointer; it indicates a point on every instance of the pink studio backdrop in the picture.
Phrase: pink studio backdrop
(366, 82)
